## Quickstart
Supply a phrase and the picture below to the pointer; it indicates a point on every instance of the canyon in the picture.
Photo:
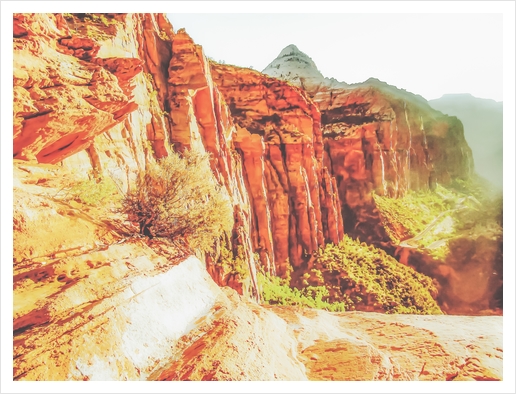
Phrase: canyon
(302, 159)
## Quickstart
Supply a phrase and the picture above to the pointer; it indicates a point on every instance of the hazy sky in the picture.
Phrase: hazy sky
(427, 54)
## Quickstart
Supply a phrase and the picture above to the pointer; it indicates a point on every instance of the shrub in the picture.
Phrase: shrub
(233, 264)
(179, 197)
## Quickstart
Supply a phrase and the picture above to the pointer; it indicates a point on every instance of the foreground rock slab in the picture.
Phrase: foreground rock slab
(373, 346)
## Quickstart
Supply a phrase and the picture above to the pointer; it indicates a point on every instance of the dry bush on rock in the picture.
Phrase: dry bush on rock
(179, 197)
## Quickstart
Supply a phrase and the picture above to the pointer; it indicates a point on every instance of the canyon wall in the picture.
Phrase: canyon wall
(135, 90)
(300, 171)
(103, 96)
(99, 94)
(294, 197)
(382, 139)
(377, 138)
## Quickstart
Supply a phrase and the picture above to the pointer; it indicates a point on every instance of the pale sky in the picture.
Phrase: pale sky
(426, 54)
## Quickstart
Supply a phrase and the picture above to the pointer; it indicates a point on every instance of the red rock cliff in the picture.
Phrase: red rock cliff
(377, 138)
(298, 171)
(98, 95)
(293, 195)
(382, 139)
(201, 120)
(106, 94)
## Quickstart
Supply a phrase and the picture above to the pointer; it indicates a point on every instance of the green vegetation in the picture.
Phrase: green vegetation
(354, 276)
(96, 18)
(232, 264)
(95, 191)
(90, 25)
(406, 217)
(431, 219)
(277, 291)
(178, 197)
(372, 280)
(163, 35)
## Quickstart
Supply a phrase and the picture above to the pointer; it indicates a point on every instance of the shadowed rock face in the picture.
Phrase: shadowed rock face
(386, 143)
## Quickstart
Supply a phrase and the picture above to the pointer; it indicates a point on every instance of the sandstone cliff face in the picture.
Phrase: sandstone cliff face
(83, 96)
(378, 139)
(200, 120)
(121, 103)
(279, 138)
(387, 144)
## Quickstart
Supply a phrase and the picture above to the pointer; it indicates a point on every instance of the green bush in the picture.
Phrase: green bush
(233, 264)
(354, 276)
(179, 197)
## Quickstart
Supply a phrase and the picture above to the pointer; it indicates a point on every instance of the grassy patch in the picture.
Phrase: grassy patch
(408, 216)
(464, 209)
(277, 291)
(354, 276)
(95, 191)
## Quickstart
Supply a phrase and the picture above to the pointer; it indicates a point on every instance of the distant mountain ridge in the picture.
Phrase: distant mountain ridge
(483, 129)
(296, 67)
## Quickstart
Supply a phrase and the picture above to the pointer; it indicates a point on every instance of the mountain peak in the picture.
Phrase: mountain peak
(297, 67)
(289, 49)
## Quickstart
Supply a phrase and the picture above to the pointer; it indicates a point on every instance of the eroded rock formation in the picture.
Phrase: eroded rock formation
(378, 139)
(117, 106)
(104, 95)
(279, 138)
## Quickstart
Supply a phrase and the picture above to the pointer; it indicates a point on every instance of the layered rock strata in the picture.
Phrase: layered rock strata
(100, 94)
(387, 144)
(103, 95)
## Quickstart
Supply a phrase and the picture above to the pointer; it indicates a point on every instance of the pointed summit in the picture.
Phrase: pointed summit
(290, 49)
(298, 68)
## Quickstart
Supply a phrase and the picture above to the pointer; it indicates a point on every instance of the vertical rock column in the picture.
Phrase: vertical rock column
(200, 120)
(295, 208)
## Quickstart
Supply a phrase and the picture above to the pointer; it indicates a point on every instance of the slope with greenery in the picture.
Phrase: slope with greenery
(355, 276)
(430, 220)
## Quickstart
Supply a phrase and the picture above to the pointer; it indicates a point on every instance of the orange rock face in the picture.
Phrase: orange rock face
(104, 96)
(64, 96)
(201, 120)
(382, 139)
(279, 138)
